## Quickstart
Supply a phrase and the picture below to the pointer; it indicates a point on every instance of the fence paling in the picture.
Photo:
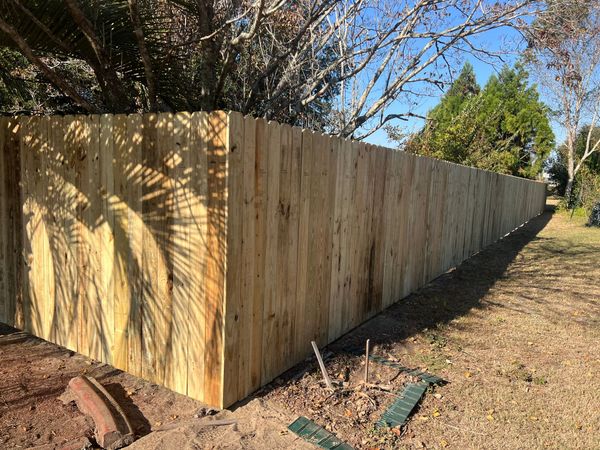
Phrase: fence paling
(206, 251)
(365, 227)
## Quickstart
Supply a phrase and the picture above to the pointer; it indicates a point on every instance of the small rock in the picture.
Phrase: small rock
(202, 412)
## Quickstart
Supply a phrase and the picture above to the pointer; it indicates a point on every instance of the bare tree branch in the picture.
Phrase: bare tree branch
(564, 53)
(107, 75)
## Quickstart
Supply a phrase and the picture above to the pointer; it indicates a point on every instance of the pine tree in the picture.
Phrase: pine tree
(503, 128)
(441, 137)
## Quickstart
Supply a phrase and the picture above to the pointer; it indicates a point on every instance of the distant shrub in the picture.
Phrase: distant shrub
(594, 220)
(586, 197)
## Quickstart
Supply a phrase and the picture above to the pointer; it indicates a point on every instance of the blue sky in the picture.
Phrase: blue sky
(498, 39)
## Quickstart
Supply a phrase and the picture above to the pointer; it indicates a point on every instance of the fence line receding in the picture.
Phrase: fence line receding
(205, 251)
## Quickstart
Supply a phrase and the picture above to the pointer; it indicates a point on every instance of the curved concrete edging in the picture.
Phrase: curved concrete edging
(113, 430)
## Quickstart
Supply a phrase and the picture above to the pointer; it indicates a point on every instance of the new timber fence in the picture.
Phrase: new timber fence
(205, 251)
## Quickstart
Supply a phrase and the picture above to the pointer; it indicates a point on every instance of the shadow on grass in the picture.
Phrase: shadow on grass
(451, 295)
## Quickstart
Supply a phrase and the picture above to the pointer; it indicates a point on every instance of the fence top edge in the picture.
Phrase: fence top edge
(227, 113)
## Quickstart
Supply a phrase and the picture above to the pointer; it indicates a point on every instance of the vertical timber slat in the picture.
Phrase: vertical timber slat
(205, 251)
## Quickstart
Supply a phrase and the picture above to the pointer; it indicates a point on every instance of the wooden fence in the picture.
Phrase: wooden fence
(205, 251)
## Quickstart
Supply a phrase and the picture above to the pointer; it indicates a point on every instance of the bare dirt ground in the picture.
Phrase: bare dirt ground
(515, 331)
(35, 373)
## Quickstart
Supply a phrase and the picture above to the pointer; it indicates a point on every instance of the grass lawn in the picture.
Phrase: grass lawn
(516, 332)
(524, 364)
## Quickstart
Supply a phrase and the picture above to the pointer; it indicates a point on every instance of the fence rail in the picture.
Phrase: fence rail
(205, 251)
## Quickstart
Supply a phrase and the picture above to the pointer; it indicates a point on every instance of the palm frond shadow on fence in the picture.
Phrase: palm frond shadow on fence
(122, 231)
(205, 252)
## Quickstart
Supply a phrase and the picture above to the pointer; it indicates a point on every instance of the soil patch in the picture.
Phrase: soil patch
(516, 332)
(35, 373)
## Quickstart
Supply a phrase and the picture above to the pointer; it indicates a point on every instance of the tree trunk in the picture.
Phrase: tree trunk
(209, 66)
(112, 88)
(569, 193)
(570, 170)
(144, 54)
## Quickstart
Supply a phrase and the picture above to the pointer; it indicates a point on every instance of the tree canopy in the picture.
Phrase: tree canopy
(503, 127)
(564, 55)
(330, 65)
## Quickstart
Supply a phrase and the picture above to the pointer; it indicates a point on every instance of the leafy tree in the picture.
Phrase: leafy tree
(564, 54)
(334, 65)
(447, 135)
(514, 124)
(586, 185)
(503, 128)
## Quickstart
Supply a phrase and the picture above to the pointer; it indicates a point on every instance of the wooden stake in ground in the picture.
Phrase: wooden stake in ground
(367, 361)
(322, 366)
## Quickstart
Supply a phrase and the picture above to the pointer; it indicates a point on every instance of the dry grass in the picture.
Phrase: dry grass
(525, 363)
(516, 332)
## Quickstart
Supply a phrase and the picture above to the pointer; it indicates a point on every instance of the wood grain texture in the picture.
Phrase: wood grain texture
(4, 219)
(106, 227)
(272, 274)
(181, 212)
(246, 381)
(198, 232)
(216, 257)
(205, 251)
(10, 129)
(235, 305)
(334, 231)
(133, 175)
(121, 256)
(70, 197)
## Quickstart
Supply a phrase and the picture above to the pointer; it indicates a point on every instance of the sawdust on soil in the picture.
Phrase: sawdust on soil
(257, 426)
